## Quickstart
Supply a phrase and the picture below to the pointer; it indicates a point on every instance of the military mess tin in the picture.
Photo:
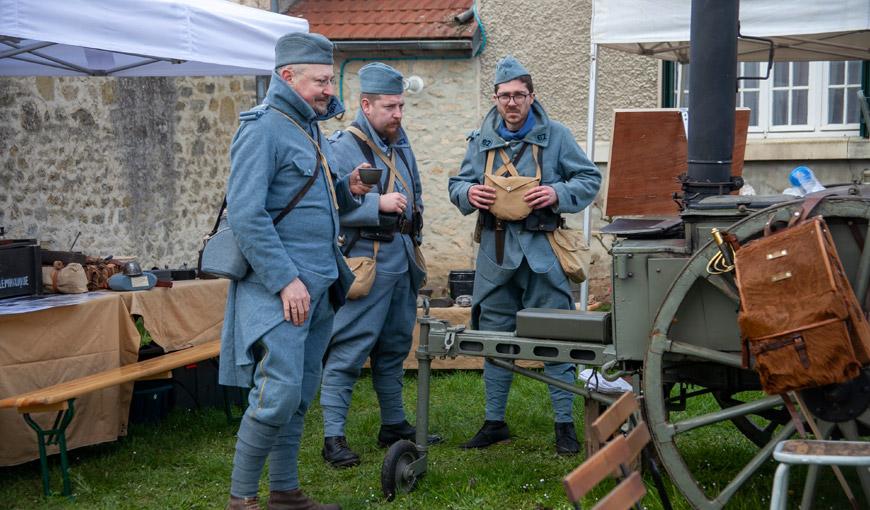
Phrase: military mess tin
(370, 176)
(673, 326)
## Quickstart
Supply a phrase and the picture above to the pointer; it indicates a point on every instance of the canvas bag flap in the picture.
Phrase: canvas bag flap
(509, 189)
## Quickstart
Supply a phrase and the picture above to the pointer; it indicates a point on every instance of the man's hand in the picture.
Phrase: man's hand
(357, 187)
(392, 203)
(540, 197)
(296, 302)
(481, 196)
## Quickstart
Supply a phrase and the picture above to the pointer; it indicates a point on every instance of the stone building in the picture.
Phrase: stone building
(139, 165)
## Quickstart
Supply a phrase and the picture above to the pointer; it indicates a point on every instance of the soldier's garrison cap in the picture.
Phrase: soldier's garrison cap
(303, 48)
(509, 69)
(379, 78)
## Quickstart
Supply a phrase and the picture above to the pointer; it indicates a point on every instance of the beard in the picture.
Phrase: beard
(392, 132)
(320, 105)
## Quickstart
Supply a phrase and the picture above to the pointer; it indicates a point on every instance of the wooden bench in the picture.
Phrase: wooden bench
(620, 451)
(61, 397)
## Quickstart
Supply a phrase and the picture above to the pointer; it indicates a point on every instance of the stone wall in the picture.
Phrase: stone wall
(137, 165)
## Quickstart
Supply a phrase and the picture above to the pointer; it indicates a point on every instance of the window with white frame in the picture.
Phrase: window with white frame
(799, 98)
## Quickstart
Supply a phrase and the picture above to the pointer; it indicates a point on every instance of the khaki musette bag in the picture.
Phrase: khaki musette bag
(510, 186)
(799, 317)
(572, 253)
(364, 270)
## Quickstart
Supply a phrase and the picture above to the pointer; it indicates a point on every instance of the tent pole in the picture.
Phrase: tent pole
(590, 152)
(262, 80)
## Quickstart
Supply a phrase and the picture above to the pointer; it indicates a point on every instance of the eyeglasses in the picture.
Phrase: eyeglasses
(323, 83)
(517, 98)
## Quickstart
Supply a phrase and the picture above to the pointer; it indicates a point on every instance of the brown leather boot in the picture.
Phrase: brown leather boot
(243, 503)
(295, 500)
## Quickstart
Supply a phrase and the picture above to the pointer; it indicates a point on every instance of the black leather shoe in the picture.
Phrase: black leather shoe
(566, 439)
(492, 432)
(389, 434)
(337, 453)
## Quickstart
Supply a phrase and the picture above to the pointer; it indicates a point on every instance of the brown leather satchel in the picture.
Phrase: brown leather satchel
(799, 317)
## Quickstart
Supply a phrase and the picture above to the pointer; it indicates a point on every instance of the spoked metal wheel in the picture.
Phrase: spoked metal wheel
(397, 472)
(695, 389)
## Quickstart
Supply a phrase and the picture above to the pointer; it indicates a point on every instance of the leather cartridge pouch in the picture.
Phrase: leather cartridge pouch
(510, 186)
(385, 232)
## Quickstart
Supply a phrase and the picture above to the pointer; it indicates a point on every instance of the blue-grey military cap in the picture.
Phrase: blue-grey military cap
(303, 48)
(509, 69)
(379, 78)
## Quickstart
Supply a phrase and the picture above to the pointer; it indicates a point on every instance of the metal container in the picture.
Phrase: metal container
(20, 268)
(460, 283)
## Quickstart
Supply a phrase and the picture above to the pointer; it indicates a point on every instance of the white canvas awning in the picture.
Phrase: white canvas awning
(801, 29)
(138, 37)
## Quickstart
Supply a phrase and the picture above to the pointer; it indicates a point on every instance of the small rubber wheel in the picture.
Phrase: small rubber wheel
(396, 475)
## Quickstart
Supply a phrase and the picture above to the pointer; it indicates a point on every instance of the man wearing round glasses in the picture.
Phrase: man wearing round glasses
(521, 172)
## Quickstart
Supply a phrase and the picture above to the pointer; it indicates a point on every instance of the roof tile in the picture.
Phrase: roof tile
(385, 19)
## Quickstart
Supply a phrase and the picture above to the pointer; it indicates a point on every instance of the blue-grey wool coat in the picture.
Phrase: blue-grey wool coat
(398, 255)
(271, 160)
(565, 167)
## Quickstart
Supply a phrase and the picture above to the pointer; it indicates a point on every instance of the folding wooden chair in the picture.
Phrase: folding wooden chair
(616, 456)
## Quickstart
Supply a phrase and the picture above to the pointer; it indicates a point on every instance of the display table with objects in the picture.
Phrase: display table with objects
(49, 340)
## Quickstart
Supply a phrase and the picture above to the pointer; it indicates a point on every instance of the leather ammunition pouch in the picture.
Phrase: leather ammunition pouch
(539, 220)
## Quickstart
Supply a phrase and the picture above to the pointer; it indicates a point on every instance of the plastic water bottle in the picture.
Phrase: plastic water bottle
(803, 178)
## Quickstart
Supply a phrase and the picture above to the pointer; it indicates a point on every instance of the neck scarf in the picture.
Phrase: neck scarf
(508, 135)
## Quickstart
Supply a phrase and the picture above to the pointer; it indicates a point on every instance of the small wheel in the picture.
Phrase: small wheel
(397, 477)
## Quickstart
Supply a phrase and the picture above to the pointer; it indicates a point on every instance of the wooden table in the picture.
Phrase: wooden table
(42, 348)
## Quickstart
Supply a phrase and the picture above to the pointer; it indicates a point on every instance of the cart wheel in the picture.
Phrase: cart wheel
(711, 425)
(397, 476)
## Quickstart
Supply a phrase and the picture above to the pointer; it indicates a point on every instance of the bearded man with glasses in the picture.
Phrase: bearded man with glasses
(521, 172)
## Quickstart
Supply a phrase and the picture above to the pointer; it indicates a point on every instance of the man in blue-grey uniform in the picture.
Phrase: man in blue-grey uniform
(516, 267)
(387, 227)
(282, 203)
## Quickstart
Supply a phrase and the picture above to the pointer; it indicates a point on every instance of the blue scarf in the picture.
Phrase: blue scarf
(508, 135)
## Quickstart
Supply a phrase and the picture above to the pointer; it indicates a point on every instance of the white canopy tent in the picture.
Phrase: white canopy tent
(800, 30)
(138, 38)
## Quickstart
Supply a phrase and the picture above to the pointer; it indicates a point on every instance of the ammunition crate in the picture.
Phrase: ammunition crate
(20, 268)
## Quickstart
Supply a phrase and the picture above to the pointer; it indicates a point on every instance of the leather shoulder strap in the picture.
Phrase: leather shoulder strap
(356, 131)
(284, 212)
(319, 154)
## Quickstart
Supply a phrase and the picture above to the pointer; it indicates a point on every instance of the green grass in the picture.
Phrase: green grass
(184, 462)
